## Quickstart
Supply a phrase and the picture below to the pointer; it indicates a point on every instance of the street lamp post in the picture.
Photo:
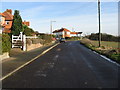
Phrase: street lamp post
(51, 26)
(99, 23)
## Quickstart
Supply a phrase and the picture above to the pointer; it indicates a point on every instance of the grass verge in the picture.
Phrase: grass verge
(111, 53)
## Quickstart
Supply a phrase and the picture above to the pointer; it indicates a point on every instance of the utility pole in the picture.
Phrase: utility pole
(99, 23)
(51, 27)
(72, 29)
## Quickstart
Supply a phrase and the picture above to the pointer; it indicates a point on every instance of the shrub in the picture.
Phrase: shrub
(116, 57)
(6, 43)
(46, 38)
(28, 31)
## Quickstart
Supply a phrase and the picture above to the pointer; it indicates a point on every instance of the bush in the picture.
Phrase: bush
(28, 31)
(116, 57)
(46, 38)
(6, 43)
(104, 37)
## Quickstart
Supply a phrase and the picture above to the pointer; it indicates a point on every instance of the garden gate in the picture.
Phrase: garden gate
(20, 41)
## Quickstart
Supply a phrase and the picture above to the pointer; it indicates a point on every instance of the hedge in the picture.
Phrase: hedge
(6, 43)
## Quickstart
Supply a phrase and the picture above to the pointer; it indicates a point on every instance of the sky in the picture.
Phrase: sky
(75, 16)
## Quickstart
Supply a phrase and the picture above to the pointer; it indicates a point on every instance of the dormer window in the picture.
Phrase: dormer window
(7, 22)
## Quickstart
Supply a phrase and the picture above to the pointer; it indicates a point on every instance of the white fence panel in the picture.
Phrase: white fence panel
(21, 38)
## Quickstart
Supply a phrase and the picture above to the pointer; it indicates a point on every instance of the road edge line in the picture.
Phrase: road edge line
(9, 74)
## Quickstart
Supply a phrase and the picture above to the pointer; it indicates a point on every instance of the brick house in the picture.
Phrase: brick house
(2, 22)
(65, 33)
(8, 21)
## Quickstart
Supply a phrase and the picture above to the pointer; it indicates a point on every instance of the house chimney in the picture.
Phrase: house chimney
(9, 10)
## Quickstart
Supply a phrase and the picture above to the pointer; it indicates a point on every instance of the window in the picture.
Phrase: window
(7, 22)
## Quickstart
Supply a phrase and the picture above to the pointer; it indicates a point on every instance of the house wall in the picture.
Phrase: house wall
(8, 24)
(72, 35)
(60, 34)
(67, 34)
(63, 34)
(2, 21)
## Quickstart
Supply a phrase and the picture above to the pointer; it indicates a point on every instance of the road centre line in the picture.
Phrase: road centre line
(9, 74)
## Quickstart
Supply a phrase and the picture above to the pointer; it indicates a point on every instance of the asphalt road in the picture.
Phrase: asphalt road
(68, 65)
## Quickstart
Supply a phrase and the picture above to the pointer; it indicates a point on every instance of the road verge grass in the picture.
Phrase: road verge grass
(111, 53)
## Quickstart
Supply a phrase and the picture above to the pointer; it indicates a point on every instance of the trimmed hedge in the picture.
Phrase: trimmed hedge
(6, 43)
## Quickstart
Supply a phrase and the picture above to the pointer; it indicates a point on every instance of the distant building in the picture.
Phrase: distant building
(26, 23)
(65, 33)
(72, 34)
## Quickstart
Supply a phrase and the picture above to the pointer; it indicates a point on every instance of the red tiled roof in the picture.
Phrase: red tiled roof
(73, 33)
(60, 30)
(9, 10)
(26, 23)
(2, 14)
(8, 16)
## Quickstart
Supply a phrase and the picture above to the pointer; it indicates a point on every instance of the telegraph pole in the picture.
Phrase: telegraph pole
(51, 27)
(99, 23)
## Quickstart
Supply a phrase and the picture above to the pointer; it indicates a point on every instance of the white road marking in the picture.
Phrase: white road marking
(51, 65)
(9, 74)
(59, 49)
(55, 58)
(110, 60)
(40, 73)
(89, 49)
(95, 52)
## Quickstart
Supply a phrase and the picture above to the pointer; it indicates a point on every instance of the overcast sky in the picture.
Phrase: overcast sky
(75, 16)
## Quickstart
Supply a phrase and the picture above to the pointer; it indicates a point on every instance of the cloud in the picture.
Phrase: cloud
(33, 12)
(84, 23)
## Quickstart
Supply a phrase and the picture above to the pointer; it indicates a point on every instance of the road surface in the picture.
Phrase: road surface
(68, 65)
